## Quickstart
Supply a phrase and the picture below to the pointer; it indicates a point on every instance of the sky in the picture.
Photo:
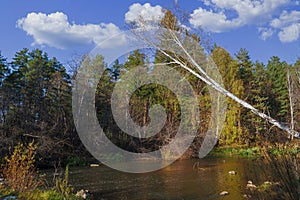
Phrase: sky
(66, 29)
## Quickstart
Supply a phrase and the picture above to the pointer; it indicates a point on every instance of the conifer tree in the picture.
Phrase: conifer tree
(279, 101)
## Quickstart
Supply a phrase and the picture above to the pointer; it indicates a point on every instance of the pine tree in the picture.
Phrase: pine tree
(245, 69)
(40, 100)
(278, 101)
(4, 72)
(259, 99)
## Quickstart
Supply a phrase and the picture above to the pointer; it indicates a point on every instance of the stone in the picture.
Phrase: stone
(232, 172)
(247, 196)
(268, 183)
(224, 193)
(94, 165)
(250, 185)
(82, 194)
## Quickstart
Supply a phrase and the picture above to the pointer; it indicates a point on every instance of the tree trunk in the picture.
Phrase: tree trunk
(186, 55)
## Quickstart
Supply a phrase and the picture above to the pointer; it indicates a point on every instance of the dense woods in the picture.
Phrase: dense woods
(36, 104)
(36, 101)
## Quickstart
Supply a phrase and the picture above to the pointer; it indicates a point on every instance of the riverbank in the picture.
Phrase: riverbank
(38, 194)
(271, 160)
(241, 151)
(255, 151)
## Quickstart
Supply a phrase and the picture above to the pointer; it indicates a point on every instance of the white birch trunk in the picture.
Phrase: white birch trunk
(202, 75)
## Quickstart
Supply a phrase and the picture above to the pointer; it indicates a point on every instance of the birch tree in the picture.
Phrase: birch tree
(189, 55)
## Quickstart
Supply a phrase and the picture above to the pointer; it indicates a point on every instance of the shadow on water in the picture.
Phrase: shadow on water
(178, 181)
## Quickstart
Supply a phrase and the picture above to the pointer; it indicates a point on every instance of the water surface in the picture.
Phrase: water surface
(178, 181)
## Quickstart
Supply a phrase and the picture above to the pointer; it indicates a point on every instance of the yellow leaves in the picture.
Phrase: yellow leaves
(19, 171)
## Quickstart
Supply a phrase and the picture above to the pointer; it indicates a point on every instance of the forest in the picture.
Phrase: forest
(36, 102)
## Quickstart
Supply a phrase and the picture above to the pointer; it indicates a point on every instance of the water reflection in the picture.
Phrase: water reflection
(178, 181)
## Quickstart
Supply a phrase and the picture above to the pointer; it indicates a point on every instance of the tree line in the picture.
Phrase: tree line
(35, 96)
(273, 88)
(36, 101)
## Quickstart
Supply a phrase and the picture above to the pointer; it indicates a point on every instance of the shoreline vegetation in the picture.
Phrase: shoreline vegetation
(22, 180)
(255, 151)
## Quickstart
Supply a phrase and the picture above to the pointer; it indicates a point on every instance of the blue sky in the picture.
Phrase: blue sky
(68, 28)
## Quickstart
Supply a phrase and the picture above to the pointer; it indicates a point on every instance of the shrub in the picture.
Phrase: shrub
(19, 170)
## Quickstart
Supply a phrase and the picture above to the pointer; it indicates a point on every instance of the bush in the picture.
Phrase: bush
(19, 171)
(22, 179)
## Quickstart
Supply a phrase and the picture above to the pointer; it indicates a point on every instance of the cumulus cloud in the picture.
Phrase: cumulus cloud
(55, 30)
(215, 22)
(290, 33)
(248, 12)
(288, 25)
(144, 15)
(262, 13)
(265, 33)
(286, 19)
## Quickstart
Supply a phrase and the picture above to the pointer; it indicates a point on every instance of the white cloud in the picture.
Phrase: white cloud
(55, 30)
(265, 33)
(144, 15)
(290, 33)
(248, 12)
(215, 22)
(261, 13)
(286, 19)
(288, 25)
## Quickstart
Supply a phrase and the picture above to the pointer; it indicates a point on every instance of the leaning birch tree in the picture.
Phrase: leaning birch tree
(189, 55)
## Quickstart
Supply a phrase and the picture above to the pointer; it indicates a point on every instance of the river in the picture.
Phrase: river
(178, 181)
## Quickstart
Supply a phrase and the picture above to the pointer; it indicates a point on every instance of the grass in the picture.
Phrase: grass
(254, 152)
(244, 152)
(281, 168)
(37, 194)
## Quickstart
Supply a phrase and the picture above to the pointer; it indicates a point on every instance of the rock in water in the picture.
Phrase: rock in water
(82, 194)
(224, 193)
(232, 172)
(250, 185)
